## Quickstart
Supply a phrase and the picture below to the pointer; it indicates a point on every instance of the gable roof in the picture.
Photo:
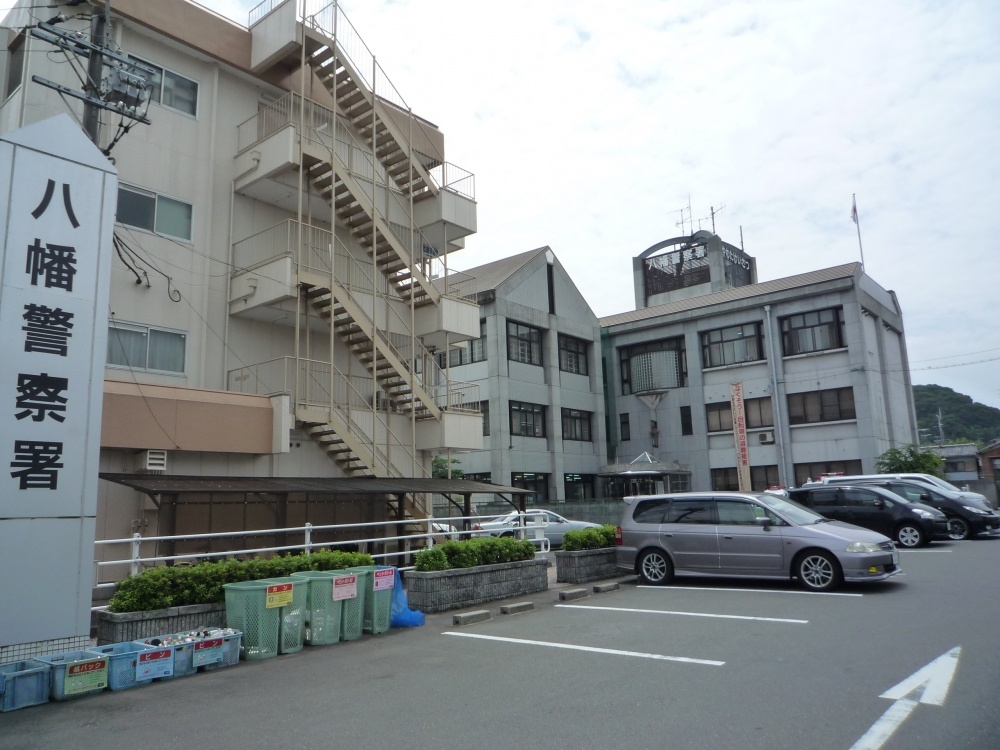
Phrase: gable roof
(491, 275)
(846, 271)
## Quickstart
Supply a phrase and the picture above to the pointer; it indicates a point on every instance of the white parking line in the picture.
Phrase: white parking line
(611, 651)
(686, 614)
(749, 591)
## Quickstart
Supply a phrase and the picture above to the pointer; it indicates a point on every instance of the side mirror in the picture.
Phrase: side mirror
(879, 502)
(925, 498)
(763, 521)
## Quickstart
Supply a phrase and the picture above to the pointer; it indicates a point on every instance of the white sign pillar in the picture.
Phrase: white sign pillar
(57, 210)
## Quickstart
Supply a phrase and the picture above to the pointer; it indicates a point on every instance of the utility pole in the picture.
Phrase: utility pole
(95, 73)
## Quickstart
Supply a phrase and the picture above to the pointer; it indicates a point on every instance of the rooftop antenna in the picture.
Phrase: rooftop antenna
(741, 239)
(689, 220)
(713, 213)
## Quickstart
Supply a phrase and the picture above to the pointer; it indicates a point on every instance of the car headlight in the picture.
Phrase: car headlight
(863, 547)
(974, 509)
(923, 513)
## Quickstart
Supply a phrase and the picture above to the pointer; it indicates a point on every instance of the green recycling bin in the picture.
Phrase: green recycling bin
(352, 608)
(292, 625)
(323, 610)
(378, 582)
(247, 611)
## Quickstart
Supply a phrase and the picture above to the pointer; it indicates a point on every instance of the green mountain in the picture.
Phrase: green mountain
(962, 419)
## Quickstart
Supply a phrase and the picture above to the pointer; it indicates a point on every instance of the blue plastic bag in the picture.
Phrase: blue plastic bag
(401, 614)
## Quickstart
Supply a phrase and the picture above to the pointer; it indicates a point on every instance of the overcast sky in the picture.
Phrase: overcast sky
(591, 126)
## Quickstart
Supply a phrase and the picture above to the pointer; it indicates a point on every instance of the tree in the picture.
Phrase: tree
(439, 469)
(910, 459)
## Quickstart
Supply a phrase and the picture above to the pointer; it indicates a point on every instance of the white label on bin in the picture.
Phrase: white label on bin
(345, 587)
(153, 664)
(385, 579)
(208, 651)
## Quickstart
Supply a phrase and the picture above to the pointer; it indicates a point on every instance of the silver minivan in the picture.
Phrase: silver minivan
(743, 534)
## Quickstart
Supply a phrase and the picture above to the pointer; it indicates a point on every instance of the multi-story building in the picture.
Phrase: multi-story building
(283, 228)
(538, 367)
(818, 362)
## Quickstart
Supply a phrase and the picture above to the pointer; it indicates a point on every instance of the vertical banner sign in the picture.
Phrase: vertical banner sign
(57, 205)
(740, 434)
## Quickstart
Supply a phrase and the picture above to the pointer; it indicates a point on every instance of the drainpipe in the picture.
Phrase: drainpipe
(776, 406)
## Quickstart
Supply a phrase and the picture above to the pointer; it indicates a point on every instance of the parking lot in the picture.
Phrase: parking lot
(907, 663)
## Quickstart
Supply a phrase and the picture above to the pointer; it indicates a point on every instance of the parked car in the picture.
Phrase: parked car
(911, 524)
(972, 498)
(553, 525)
(965, 519)
(742, 534)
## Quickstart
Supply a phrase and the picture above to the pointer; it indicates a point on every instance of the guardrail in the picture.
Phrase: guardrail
(434, 531)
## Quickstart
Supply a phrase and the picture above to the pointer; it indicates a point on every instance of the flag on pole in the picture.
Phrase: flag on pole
(854, 209)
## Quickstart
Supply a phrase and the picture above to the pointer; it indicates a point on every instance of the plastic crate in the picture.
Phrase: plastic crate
(292, 626)
(63, 664)
(247, 612)
(378, 604)
(230, 650)
(23, 684)
(323, 612)
(352, 611)
(124, 663)
(183, 652)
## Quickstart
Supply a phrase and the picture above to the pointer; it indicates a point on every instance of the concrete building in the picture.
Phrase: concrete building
(538, 367)
(817, 360)
(282, 273)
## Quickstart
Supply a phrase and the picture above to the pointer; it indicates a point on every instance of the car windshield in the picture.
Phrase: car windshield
(791, 510)
(939, 482)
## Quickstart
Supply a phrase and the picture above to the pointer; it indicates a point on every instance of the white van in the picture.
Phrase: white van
(930, 480)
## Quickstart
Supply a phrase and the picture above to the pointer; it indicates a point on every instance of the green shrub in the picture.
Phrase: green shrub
(589, 538)
(180, 585)
(486, 550)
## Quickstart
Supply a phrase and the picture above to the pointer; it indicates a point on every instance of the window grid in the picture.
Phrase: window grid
(814, 331)
(537, 483)
(149, 211)
(758, 411)
(655, 366)
(761, 477)
(526, 419)
(146, 348)
(830, 405)
(733, 345)
(572, 355)
(576, 424)
(579, 486)
(624, 427)
(524, 343)
(171, 90)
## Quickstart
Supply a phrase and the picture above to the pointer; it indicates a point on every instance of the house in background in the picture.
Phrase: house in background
(818, 361)
(537, 364)
(961, 462)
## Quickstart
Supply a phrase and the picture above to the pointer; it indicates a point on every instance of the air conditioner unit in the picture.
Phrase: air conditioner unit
(151, 461)
(766, 437)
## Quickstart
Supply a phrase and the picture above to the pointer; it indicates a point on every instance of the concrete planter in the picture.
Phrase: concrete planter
(441, 590)
(580, 566)
(119, 627)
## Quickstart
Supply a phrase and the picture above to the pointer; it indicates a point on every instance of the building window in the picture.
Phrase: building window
(172, 90)
(761, 477)
(537, 483)
(527, 419)
(733, 345)
(15, 66)
(572, 355)
(687, 428)
(813, 331)
(579, 486)
(524, 343)
(758, 414)
(484, 476)
(960, 466)
(655, 366)
(474, 351)
(807, 472)
(144, 348)
(484, 408)
(831, 405)
(576, 424)
(154, 213)
(624, 428)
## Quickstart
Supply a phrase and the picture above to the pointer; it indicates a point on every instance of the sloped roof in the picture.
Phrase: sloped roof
(846, 271)
(491, 275)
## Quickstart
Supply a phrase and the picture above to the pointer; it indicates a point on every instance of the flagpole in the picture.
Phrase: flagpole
(857, 223)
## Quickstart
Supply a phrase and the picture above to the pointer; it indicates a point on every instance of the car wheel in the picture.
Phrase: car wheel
(655, 568)
(910, 536)
(818, 571)
(958, 529)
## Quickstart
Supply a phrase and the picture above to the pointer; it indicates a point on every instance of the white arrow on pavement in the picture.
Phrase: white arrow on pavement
(929, 684)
